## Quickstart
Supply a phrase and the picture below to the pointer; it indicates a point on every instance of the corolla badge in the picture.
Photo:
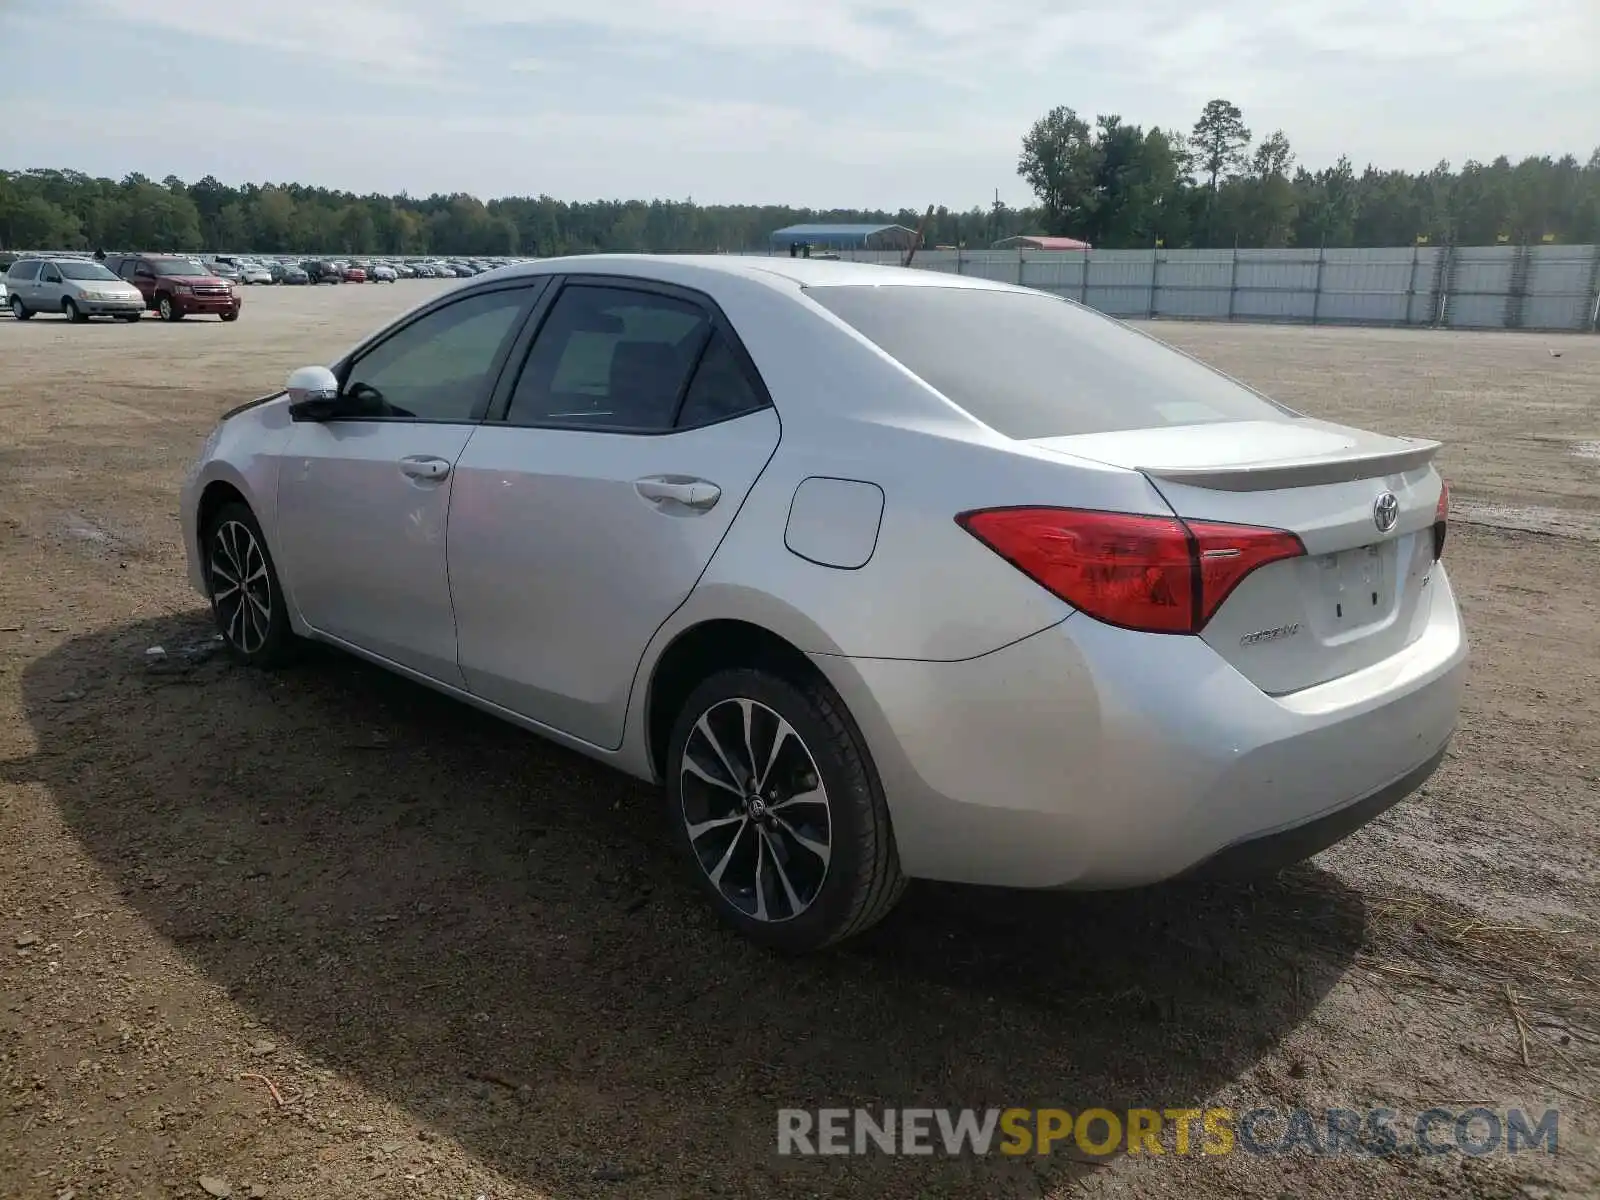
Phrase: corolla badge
(1269, 635)
(1385, 512)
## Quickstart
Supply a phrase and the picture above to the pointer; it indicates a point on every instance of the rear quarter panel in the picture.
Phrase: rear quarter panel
(930, 590)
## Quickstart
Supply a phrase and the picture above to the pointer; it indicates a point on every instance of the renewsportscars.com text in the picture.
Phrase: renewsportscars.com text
(1474, 1131)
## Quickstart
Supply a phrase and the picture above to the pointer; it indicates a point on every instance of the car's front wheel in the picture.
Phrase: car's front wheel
(230, 316)
(72, 312)
(246, 598)
(773, 796)
(168, 310)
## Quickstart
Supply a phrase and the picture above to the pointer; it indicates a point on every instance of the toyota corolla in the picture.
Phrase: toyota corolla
(880, 573)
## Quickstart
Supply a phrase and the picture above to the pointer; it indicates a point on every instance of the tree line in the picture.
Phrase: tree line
(1119, 185)
(1107, 182)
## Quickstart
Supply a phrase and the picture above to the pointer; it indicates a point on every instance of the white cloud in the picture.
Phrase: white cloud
(361, 31)
(1559, 35)
(837, 97)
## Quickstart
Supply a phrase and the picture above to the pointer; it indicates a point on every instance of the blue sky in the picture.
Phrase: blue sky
(815, 102)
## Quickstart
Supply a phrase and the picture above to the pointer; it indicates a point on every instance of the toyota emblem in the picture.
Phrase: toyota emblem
(1385, 512)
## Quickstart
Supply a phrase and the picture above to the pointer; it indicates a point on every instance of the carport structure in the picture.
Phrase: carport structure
(843, 237)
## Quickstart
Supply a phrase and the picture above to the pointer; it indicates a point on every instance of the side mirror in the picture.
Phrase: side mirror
(313, 394)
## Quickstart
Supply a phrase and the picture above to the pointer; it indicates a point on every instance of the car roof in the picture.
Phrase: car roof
(777, 272)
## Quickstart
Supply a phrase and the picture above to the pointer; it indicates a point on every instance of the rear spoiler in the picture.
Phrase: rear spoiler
(1306, 472)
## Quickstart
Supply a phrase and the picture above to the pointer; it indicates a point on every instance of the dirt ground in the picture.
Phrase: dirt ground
(466, 965)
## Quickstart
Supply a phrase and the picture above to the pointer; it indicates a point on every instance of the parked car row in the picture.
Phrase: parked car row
(339, 270)
(175, 286)
(123, 286)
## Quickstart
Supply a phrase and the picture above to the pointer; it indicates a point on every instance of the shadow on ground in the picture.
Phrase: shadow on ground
(418, 894)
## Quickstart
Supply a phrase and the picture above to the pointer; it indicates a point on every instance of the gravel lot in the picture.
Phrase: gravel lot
(466, 965)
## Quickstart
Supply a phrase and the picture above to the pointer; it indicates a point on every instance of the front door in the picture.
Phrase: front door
(363, 498)
(48, 291)
(585, 517)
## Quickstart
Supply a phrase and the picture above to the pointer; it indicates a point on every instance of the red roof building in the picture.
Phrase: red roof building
(1040, 242)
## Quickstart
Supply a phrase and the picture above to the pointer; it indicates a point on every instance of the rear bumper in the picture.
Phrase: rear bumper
(1091, 757)
(1273, 851)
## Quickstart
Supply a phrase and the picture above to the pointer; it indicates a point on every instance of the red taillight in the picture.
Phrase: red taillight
(1156, 574)
(1441, 519)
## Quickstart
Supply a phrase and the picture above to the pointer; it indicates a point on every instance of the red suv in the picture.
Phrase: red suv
(176, 286)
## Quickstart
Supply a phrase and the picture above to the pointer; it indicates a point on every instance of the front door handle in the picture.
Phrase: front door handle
(425, 466)
(698, 494)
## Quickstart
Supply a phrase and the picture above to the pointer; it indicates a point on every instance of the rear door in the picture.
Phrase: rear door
(22, 282)
(1363, 504)
(585, 514)
(137, 272)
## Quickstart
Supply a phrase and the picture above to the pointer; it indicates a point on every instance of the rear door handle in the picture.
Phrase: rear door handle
(425, 466)
(698, 494)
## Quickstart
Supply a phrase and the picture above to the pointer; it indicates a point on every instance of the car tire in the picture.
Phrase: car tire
(233, 316)
(246, 598)
(825, 872)
(72, 312)
(168, 310)
(19, 310)
(130, 318)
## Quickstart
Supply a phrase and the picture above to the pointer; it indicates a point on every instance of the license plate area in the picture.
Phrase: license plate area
(1356, 586)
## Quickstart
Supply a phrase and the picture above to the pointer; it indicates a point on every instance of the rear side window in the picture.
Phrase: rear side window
(1030, 365)
(610, 358)
(23, 271)
(721, 388)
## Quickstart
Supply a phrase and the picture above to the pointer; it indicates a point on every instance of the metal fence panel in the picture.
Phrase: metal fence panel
(1560, 287)
(1194, 303)
(1054, 274)
(1277, 304)
(1482, 311)
(1483, 270)
(1560, 270)
(1119, 301)
(1462, 287)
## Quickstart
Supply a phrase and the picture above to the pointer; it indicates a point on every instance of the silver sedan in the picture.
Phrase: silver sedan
(881, 573)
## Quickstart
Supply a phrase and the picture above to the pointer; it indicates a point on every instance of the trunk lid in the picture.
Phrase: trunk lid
(1357, 595)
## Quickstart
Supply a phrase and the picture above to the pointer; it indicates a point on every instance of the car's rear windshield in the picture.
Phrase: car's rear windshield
(1030, 365)
(177, 266)
(83, 270)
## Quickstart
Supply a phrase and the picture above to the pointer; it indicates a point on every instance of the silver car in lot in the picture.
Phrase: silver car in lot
(880, 573)
(76, 288)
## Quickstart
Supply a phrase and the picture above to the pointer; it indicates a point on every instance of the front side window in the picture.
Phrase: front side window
(442, 366)
(610, 358)
(49, 274)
